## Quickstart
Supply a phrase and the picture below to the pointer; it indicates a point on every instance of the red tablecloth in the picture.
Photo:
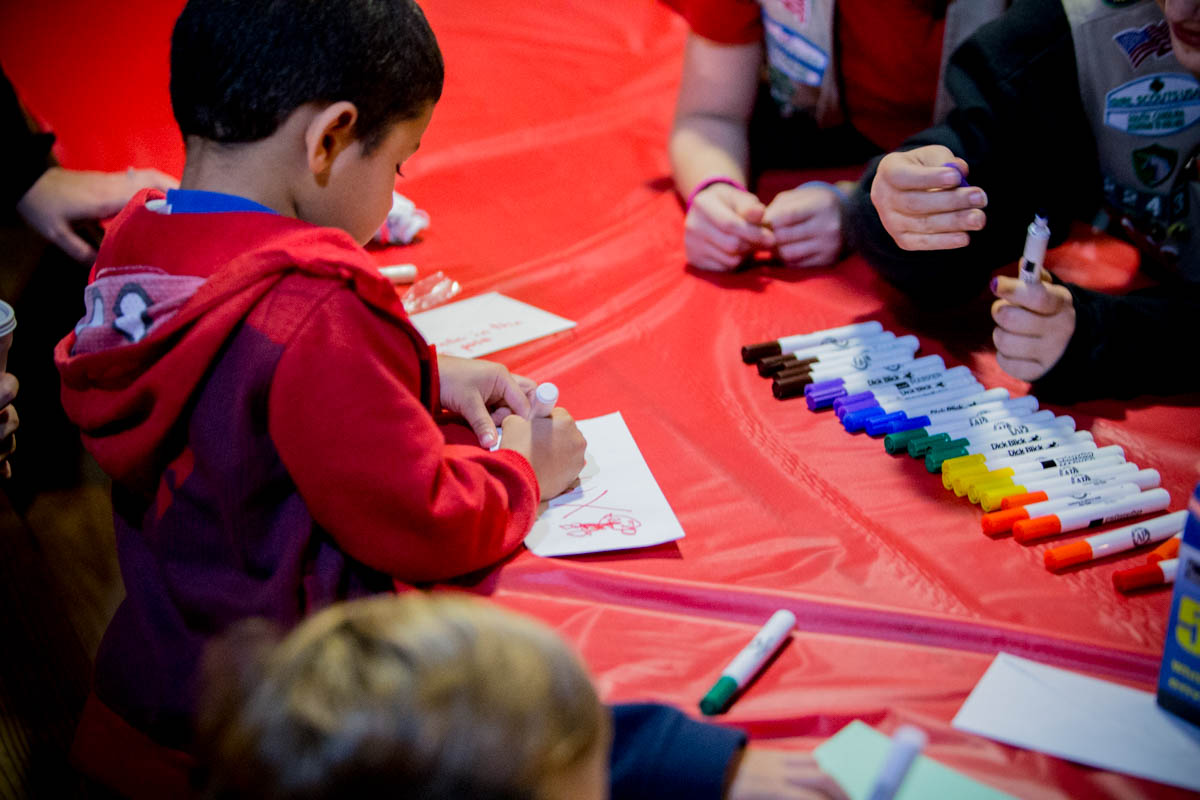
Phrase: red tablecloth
(546, 177)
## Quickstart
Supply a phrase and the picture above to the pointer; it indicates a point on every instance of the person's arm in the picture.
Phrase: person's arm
(709, 142)
(1020, 126)
(659, 753)
(1124, 346)
(372, 465)
(27, 151)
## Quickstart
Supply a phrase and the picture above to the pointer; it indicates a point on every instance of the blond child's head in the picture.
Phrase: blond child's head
(429, 696)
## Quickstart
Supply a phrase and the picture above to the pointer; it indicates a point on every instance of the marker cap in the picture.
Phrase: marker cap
(999, 522)
(1066, 555)
(822, 400)
(953, 465)
(857, 420)
(1012, 501)
(1126, 580)
(940, 455)
(757, 352)
(919, 447)
(1167, 550)
(975, 483)
(992, 498)
(783, 388)
(878, 426)
(1030, 530)
(718, 696)
(897, 442)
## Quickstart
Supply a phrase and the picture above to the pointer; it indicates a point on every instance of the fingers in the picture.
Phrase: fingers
(732, 212)
(509, 390)
(922, 168)
(795, 206)
(924, 203)
(479, 418)
(1041, 298)
(149, 179)
(1021, 369)
(8, 388)
(61, 234)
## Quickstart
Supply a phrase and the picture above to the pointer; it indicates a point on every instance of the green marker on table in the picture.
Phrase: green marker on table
(748, 662)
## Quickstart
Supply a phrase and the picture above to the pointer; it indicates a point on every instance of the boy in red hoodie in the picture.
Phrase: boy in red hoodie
(278, 433)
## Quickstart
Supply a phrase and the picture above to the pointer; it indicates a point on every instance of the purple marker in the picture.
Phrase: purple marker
(962, 179)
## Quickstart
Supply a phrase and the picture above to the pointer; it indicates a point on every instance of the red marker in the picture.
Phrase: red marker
(1160, 574)
(1118, 541)
(1074, 519)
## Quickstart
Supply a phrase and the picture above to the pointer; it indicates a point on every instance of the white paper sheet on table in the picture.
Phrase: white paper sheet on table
(1083, 719)
(616, 506)
(484, 324)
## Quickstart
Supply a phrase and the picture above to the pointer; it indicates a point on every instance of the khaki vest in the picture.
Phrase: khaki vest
(798, 36)
(1143, 108)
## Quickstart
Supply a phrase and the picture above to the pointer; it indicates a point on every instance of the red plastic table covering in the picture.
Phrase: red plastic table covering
(546, 177)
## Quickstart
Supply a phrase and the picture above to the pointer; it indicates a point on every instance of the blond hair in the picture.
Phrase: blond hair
(430, 696)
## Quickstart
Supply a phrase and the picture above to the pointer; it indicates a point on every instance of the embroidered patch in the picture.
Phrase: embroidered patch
(132, 312)
(1141, 43)
(1154, 164)
(1155, 105)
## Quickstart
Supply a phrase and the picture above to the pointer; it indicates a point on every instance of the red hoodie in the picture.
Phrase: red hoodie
(267, 413)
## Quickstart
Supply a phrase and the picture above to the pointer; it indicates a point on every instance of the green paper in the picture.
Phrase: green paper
(853, 757)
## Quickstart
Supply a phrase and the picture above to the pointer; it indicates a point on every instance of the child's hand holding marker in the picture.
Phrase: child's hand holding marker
(554, 446)
(1034, 323)
(923, 199)
(723, 226)
(474, 388)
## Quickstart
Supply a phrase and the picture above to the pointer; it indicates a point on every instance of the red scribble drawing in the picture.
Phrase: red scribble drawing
(589, 504)
(627, 526)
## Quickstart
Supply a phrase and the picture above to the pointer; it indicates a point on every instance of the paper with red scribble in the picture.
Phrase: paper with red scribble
(617, 504)
(484, 324)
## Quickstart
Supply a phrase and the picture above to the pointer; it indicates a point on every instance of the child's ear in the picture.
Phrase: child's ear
(329, 132)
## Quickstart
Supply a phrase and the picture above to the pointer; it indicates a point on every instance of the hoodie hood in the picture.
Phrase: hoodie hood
(166, 293)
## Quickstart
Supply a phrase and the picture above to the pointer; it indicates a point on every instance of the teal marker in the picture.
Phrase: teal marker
(748, 662)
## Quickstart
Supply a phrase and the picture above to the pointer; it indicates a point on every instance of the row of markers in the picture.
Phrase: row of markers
(1033, 473)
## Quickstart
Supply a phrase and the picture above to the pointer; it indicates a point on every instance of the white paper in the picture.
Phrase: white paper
(617, 505)
(1083, 719)
(484, 324)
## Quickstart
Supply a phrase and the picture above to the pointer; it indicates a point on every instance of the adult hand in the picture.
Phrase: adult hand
(474, 388)
(62, 196)
(781, 775)
(554, 446)
(8, 421)
(807, 224)
(1034, 323)
(920, 200)
(723, 226)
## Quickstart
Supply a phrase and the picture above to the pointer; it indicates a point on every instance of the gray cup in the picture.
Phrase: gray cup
(8, 324)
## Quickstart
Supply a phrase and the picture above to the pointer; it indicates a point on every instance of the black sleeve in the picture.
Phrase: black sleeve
(659, 753)
(27, 151)
(1123, 346)
(1019, 123)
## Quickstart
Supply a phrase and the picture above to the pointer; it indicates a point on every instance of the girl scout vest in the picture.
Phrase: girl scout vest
(1143, 107)
(799, 37)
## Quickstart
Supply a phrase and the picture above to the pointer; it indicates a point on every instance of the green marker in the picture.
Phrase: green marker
(748, 662)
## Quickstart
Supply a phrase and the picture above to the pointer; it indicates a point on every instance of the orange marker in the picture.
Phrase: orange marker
(1073, 519)
(1118, 541)
(998, 522)
(1166, 550)
(1160, 574)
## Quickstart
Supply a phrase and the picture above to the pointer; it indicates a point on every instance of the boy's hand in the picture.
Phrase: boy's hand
(62, 196)
(472, 388)
(8, 421)
(723, 226)
(807, 224)
(1034, 323)
(553, 445)
(780, 775)
(921, 203)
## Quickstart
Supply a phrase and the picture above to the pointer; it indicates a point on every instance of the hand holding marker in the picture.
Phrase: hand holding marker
(545, 397)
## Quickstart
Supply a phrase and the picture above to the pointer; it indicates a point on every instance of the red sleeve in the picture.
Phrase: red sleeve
(722, 21)
(371, 464)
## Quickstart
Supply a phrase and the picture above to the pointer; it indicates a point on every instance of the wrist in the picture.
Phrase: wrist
(709, 182)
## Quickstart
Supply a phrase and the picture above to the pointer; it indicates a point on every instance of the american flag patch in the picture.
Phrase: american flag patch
(1140, 43)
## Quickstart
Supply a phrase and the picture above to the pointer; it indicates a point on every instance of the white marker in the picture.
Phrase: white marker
(544, 399)
(400, 273)
(545, 396)
(1059, 461)
(1037, 236)
(754, 352)
(746, 663)
(907, 744)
